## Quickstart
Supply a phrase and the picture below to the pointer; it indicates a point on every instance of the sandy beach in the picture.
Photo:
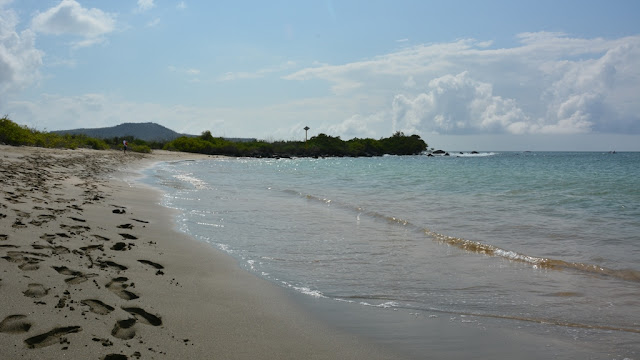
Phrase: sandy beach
(92, 268)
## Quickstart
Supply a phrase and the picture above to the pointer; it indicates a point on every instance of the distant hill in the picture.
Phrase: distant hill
(144, 131)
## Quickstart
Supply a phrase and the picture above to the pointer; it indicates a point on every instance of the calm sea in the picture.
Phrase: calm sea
(548, 241)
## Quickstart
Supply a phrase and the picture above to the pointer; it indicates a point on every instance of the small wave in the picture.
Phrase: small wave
(308, 291)
(359, 210)
(197, 183)
(386, 305)
(252, 264)
(369, 297)
(224, 247)
(304, 290)
(553, 322)
(537, 262)
(483, 154)
(212, 225)
(486, 249)
(391, 219)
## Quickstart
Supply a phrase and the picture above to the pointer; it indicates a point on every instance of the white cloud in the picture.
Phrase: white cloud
(144, 5)
(20, 61)
(356, 126)
(410, 82)
(549, 84)
(231, 76)
(241, 75)
(457, 104)
(153, 22)
(191, 73)
(70, 18)
(181, 5)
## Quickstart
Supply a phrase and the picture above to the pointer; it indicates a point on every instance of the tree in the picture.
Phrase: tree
(206, 135)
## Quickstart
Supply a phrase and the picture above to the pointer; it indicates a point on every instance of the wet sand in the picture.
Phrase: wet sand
(91, 267)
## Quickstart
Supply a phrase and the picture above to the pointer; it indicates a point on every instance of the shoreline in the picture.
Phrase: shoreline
(93, 268)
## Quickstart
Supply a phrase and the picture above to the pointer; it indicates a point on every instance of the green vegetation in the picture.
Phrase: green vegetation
(16, 135)
(318, 146)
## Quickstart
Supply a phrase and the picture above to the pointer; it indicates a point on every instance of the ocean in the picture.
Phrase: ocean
(548, 242)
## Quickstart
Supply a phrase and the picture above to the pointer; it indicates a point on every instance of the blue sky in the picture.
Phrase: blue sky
(464, 75)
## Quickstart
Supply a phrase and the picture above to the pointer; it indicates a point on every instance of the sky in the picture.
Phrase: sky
(464, 75)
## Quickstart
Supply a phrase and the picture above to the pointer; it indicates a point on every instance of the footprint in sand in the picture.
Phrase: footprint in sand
(78, 228)
(55, 250)
(128, 236)
(26, 262)
(119, 246)
(97, 306)
(57, 211)
(119, 211)
(100, 237)
(77, 277)
(35, 222)
(115, 357)
(14, 199)
(140, 221)
(36, 291)
(51, 337)
(10, 246)
(46, 217)
(16, 256)
(22, 214)
(59, 250)
(118, 287)
(15, 324)
(3, 237)
(18, 224)
(155, 265)
(111, 264)
(144, 316)
(151, 263)
(124, 329)
(66, 271)
(92, 247)
(30, 265)
(125, 226)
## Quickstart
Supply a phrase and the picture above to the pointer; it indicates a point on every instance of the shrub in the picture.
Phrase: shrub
(14, 134)
(139, 148)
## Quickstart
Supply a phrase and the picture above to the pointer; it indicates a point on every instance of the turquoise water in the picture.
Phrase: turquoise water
(544, 241)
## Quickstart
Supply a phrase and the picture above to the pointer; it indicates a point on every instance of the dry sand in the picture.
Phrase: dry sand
(92, 268)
